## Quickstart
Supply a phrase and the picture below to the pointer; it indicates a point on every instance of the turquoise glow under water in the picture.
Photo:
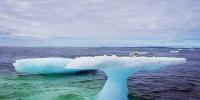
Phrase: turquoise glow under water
(49, 87)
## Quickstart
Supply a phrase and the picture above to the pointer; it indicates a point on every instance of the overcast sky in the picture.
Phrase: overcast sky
(61, 22)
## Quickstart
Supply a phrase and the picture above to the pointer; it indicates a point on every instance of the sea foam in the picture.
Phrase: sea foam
(117, 69)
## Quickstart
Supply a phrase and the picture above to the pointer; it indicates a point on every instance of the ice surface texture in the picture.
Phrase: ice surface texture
(43, 66)
(116, 68)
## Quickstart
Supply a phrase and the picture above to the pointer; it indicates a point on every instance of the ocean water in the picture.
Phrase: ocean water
(179, 82)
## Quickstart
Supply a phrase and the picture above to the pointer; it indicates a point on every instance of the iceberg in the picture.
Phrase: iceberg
(43, 66)
(117, 69)
(174, 51)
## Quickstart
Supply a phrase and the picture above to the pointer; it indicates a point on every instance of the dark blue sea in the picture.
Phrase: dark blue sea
(178, 82)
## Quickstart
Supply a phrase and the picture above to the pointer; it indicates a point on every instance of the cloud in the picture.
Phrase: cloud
(105, 19)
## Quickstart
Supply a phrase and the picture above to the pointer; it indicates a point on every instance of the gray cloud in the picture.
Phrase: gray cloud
(101, 19)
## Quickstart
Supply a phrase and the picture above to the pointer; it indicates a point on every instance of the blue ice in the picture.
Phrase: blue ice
(117, 69)
(43, 66)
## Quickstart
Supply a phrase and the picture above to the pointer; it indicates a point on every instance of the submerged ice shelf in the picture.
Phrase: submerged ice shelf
(117, 69)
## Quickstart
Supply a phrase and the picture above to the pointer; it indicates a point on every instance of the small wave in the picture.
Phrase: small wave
(70, 97)
(191, 49)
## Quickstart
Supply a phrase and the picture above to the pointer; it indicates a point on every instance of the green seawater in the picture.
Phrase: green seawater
(14, 86)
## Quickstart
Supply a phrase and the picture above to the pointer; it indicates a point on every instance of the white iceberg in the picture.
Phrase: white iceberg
(116, 68)
(43, 66)
(174, 51)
